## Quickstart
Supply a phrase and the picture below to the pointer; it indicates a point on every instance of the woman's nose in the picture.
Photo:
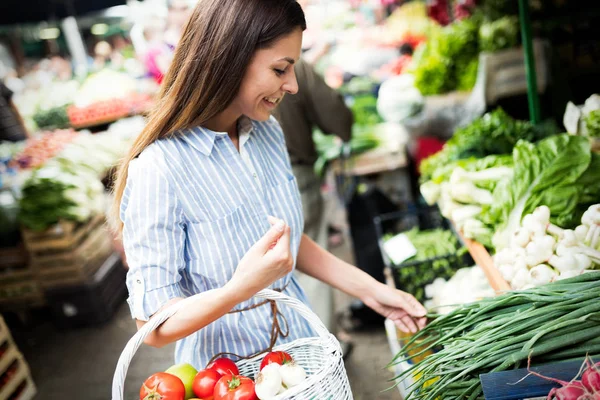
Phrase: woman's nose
(291, 84)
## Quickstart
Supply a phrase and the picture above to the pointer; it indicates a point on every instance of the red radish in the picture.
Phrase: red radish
(573, 390)
(591, 378)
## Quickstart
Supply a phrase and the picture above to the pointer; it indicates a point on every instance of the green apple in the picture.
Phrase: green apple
(186, 373)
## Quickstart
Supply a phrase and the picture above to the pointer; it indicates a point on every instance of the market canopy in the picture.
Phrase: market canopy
(29, 11)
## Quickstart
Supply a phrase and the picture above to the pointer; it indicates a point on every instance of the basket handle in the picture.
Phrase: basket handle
(118, 386)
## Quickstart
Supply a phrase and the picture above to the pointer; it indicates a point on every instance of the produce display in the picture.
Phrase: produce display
(541, 252)
(550, 323)
(438, 254)
(449, 59)
(40, 149)
(221, 380)
(52, 194)
(364, 134)
(467, 285)
(560, 172)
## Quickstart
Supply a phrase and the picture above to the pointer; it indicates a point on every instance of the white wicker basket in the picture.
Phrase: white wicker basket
(320, 356)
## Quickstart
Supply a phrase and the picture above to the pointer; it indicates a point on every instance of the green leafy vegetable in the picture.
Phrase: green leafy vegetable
(592, 123)
(448, 61)
(500, 34)
(494, 133)
(560, 172)
(439, 254)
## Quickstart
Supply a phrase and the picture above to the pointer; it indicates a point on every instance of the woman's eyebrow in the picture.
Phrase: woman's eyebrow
(288, 59)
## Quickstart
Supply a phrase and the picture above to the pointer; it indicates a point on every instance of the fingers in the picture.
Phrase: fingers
(284, 241)
(412, 306)
(272, 220)
(274, 233)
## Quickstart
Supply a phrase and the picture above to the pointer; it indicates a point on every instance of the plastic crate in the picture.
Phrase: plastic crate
(93, 302)
(413, 276)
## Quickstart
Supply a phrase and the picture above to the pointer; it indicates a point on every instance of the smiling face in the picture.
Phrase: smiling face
(269, 77)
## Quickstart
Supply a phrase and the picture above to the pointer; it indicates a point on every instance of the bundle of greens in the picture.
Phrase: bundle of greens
(54, 118)
(448, 61)
(51, 194)
(329, 147)
(500, 34)
(493, 133)
(560, 172)
(439, 255)
(464, 187)
(555, 322)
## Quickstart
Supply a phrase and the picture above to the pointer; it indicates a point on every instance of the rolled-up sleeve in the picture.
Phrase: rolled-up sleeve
(153, 237)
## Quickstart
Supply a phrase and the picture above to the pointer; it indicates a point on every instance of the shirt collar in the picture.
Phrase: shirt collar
(203, 139)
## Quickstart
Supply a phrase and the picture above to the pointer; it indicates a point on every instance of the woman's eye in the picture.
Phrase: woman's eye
(279, 72)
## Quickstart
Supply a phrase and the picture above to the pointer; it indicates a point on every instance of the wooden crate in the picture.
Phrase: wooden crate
(20, 381)
(20, 377)
(64, 236)
(75, 263)
(13, 257)
(24, 294)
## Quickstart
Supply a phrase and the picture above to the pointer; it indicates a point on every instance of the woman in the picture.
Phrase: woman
(206, 199)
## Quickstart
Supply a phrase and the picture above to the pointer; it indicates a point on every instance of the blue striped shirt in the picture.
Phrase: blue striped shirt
(191, 209)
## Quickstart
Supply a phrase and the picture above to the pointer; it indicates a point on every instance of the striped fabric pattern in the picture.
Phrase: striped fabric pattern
(191, 209)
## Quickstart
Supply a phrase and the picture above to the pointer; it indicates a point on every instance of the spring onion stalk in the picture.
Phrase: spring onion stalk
(553, 322)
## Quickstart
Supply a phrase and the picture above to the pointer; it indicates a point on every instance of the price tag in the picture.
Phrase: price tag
(399, 248)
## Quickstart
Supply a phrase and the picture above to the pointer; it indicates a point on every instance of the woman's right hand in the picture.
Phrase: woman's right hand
(268, 260)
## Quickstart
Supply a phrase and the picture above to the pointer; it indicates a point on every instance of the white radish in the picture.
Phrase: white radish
(292, 374)
(534, 225)
(542, 275)
(595, 237)
(522, 237)
(520, 279)
(567, 275)
(539, 250)
(569, 238)
(542, 214)
(507, 271)
(268, 382)
(581, 232)
(520, 263)
(563, 263)
(505, 256)
(583, 261)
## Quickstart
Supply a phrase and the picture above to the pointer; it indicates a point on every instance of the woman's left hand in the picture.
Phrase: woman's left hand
(398, 306)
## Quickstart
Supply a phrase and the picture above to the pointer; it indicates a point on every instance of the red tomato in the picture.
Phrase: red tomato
(224, 366)
(162, 386)
(279, 357)
(235, 387)
(204, 383)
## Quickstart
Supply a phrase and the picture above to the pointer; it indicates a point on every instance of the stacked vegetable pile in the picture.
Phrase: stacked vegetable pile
(38, 150)
(68, 186)
(364, 133)
(541, 252)
(489, 196)
(550, 323)
(221, 380)
(438, 255)
(449, 60)
(465, 286)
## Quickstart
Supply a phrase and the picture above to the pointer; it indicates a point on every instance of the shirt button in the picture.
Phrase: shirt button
(254, 175)
(139, 282)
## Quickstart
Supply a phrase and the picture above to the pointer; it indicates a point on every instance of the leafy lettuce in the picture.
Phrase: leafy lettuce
(560, 172)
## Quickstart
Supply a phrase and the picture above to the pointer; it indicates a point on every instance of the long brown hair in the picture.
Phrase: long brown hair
(210, 61)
